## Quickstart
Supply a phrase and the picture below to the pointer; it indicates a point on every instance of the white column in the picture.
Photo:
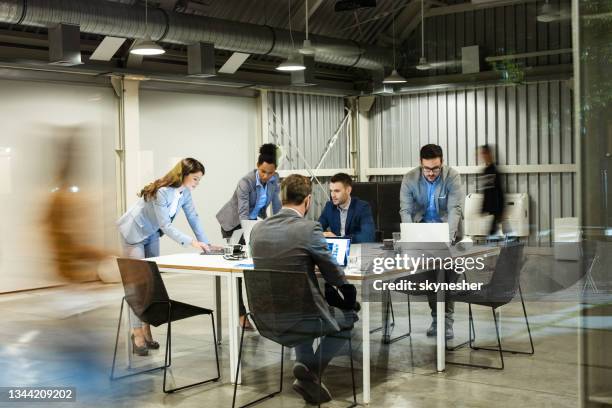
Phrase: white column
(363, 124)
(131, 146)
(262, 107)
(127, 144)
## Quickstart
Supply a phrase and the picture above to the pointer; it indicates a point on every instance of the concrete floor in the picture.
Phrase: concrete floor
(65, 337)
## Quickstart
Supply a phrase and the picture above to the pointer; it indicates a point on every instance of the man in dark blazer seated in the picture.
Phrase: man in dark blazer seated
(347, 216)
(289, 242)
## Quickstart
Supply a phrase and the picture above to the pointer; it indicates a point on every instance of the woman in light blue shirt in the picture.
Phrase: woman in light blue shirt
(151, 217)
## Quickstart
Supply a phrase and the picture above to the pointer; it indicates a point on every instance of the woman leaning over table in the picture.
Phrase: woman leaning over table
(151, 217)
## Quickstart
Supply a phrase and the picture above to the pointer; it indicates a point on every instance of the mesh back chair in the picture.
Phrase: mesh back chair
(146, 294)
(501, 289)
(288, 309)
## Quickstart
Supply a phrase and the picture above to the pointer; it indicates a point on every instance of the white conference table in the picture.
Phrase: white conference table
(215, 265)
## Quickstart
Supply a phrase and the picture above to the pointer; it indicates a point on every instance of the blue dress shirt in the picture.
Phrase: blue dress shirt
(262, 197)
(431, 213)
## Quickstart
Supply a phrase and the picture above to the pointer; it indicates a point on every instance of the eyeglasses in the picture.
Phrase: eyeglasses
(431, 170)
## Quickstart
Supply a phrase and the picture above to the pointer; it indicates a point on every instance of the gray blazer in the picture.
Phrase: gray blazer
(244, 200)
(289, 242)
(449, 193)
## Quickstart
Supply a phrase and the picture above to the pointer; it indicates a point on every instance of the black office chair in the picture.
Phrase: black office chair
(389, 312)
(146, 294)
(500, 290)
(288, 309)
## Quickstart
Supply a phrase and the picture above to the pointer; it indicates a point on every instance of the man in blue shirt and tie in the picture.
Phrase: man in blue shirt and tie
(433, 193)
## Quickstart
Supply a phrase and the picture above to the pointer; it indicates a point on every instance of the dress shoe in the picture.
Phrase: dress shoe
(303, 373)
(433, 329)
(448, 332)
(153, 345)
(247, 326)
(310, 391)
(140, 350)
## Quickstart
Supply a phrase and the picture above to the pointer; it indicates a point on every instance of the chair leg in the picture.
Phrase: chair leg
(266, 397)
(239, 360)
(112, 376)
(501, 353)
(470, 331)
(280, 389)
(499, 349)
(532, 352)
(354, 404)
(320, 371)
(169, 356)
(532, 349)
(387, 339)
(388, 303)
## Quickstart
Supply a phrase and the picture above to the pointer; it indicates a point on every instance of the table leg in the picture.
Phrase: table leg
(231, 328)
(365, 318)
(440, 325)
(218, 310)
(385, 306)
(128, 335)
(440, 337)
(234, 327)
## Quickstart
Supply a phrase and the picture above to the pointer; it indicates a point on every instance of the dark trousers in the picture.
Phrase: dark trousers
(330, 344)
(449, 307)
(432, 276)
(228, 234)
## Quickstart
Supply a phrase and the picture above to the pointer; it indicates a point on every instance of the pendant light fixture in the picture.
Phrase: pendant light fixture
(394, 77)
(294, 62)
(423, 65)
(548, 13)
(146, 46)
(307, 48)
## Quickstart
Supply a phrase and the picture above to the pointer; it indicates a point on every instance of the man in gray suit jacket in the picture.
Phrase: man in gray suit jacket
(433, 193)
(289, 242)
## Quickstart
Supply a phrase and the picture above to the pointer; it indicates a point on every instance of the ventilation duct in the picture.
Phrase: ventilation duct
(120, 20)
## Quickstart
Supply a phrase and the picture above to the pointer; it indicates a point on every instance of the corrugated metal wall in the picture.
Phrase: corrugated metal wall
(528, 124)
(498, 31)
(303, 124)
(306, 123)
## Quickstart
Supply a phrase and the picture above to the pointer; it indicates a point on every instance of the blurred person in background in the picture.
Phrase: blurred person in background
(151, 217)
(490, 184)
(65, 331)
(74, 258)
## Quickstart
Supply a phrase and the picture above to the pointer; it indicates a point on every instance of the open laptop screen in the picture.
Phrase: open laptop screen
(340, 248)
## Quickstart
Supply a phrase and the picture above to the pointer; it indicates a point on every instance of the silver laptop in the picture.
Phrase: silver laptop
(423, 235)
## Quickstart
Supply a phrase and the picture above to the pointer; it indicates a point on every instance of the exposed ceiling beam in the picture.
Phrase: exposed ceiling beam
(298, 22)
(463, 7)
(414, 23)
(441, 82)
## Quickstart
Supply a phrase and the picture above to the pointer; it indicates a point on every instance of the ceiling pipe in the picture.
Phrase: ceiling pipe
(120, 20)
